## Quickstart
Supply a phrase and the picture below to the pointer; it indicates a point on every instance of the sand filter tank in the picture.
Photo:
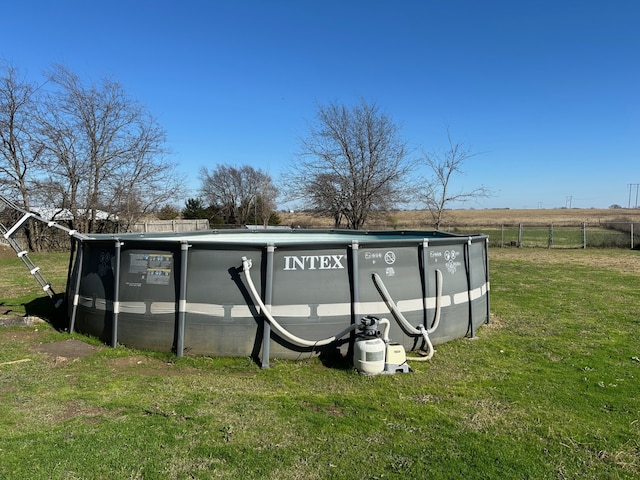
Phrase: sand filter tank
(373, 353)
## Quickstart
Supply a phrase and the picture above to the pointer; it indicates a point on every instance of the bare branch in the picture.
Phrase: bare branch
(351, 162)
(104, 150)
(19, 156)
(444, 167)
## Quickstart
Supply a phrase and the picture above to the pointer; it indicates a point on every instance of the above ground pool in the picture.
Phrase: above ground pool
(277, 293)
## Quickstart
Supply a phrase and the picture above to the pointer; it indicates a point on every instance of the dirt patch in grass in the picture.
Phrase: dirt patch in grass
(11, 321)
(77, 408)
(20, 335)
(330, 410)
(6, 252)
(65, 350)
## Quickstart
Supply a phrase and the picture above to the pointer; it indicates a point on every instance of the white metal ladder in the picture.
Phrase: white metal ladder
(24, 256)
(9, 233)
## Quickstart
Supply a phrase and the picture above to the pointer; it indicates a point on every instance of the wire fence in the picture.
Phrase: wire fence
(579, 235)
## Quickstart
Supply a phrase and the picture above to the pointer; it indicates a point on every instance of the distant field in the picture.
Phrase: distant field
(422, 219)
(549, 228)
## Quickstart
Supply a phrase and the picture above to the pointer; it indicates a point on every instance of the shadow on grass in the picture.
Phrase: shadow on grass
(45, 308)
(333, 358)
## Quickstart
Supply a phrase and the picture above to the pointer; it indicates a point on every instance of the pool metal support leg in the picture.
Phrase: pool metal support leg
(73, 253)
(425, 283)
(76, 287)
(467, 268)
(268, 298)
(355, 246)
(116, 294)
(356, 309)
(486, 279)
(182, 300)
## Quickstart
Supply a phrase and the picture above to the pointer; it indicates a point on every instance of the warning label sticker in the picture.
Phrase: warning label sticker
(155, 268)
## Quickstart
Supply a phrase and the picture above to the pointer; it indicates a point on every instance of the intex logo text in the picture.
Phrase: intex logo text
(313, 262)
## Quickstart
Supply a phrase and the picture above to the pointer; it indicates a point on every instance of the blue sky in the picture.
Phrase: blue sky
(547, 92)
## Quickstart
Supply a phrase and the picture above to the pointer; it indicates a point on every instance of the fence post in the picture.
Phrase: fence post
(550, 241)
(632, 245)
(520, 236)
(584, 234)
(502, 237)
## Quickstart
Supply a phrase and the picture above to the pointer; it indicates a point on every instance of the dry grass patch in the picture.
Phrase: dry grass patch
(488, 413)
(623, 261)
(421, 219)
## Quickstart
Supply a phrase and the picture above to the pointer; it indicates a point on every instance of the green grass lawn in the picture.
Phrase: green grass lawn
(549, 390)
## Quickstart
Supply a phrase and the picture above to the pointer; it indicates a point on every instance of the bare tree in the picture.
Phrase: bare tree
(437, 194)
(238, 192)
(327, 197)
(146, 181)
(104, 151)
(265, 202)
(351, 163)
(19, 157)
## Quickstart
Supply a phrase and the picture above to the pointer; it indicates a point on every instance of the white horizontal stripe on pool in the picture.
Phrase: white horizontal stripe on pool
(139, 308)
(209, 309)
(159, 308)
(334, 309)
(103, 305)
(293, 310)
(373, 308)
(464, 297)
(475, 293)
(85, 301)
(290, 310)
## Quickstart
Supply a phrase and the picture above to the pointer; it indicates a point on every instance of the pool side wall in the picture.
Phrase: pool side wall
(315, 290)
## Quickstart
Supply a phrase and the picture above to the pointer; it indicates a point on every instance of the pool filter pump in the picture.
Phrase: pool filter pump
(373, 353)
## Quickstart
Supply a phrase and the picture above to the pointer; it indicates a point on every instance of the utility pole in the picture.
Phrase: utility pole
(568, 201)
(637, 186)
